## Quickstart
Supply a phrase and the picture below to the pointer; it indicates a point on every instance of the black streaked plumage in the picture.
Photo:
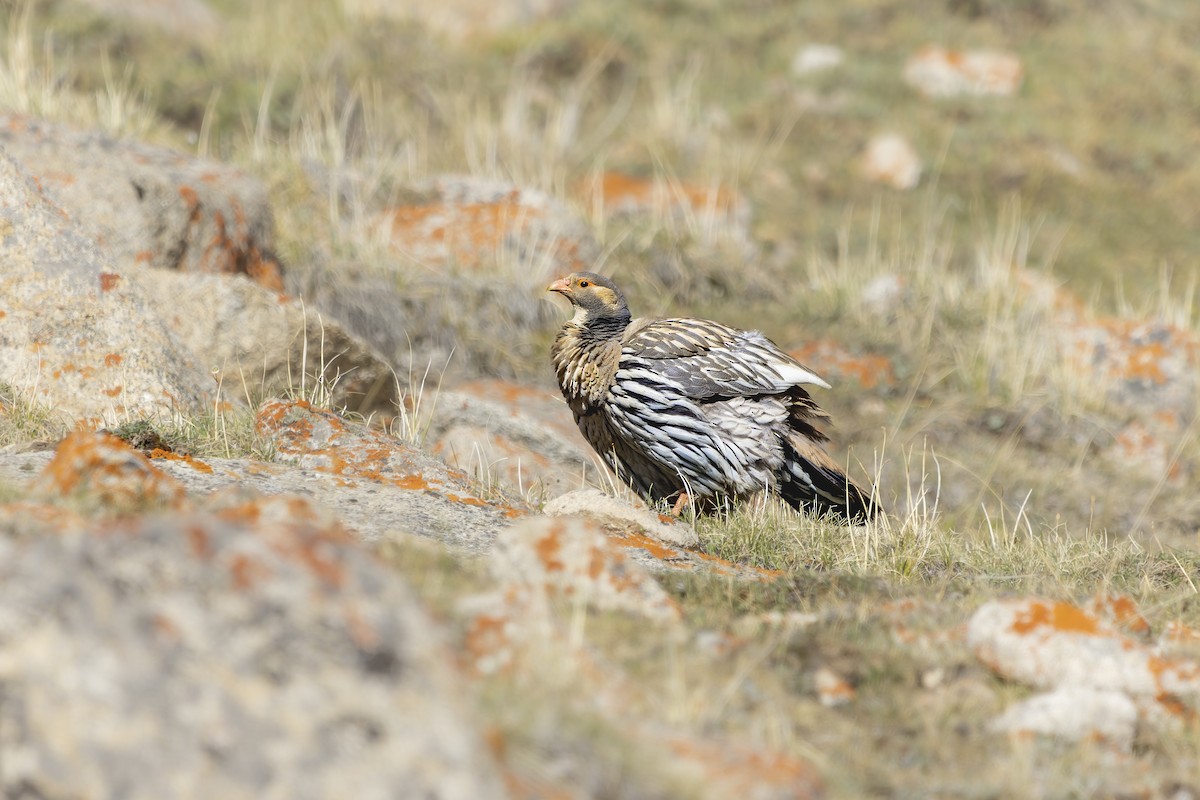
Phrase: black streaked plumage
(692, 407)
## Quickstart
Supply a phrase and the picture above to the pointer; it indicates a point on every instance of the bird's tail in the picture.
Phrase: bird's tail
(811, 481)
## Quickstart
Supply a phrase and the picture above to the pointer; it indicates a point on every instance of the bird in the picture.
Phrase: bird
(693, 411)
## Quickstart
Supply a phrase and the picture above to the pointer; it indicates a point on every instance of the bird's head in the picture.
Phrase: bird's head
(594, 297)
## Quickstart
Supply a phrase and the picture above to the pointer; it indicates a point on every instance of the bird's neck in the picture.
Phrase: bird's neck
(585, 359)
(600, 329)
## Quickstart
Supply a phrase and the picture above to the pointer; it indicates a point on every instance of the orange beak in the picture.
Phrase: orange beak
(561, 286)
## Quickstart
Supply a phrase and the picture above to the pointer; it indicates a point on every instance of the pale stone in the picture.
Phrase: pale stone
(817, 58)
(890, 159)
(1074, 713)
(942, 72)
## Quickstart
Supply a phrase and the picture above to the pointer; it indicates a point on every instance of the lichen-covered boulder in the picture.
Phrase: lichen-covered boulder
(149, 205)
(74, 336)
(254, 651)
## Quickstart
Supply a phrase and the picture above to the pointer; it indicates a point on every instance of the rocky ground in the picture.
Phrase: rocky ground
(290, 507)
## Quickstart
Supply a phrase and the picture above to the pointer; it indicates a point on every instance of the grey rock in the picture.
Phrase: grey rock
(616, 512)
(465, 290)
(376, 485)
(187, 19)
(518, 436)
(218, 655)
(435, 326)
(1146, 366)
(460, 19)
(255, 341)
(433, 500)
(150, 205)
(574, 558)
(73, 334)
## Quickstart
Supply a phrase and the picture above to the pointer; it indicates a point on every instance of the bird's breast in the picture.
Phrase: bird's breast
(585, 370)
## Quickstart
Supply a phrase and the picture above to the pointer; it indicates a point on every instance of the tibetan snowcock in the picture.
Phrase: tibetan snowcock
(688, 410)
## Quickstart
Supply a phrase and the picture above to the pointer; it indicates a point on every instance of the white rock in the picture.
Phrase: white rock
(596, 505)
(817, 58)
(832, 689)
(1075, 714)
(940, 72)
(882, 294)
(1049, 644)
(891, 160)
(574, 559)
(188, 19)
(459, 20)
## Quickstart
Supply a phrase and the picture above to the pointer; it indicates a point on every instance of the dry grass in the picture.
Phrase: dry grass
(23, 419)
(884, 613)
(33, 80)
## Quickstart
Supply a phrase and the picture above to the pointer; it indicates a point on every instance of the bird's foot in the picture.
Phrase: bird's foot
(680, 504)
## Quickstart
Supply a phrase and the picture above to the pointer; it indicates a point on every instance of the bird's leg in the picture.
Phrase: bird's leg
(680, 504)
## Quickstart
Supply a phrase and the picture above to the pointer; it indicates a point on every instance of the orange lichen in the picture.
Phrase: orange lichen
(246, 571)
(486, 636)
(1173, 706)
(192, 199)
(832, 689)
(103, 466)
(263, 270)
(467, 500)
(313, 551)
(683, 559)
(108, 281)
(619, 191)
(1179, 669)
(366, 454)
(1130, 349)
(905, 605)
(249, 511)
(50, 517)
(199, 541)
(548, 549)
(1144, 362)
(1062, 617)
(470, 231)
(993, 72)
(1122, 610)
(166, 627)
(194, 463)
(742, 771)
(1178, 632)
(534, 787)
(112, 359)
(831, 359)
(762, 572)
(361, 631)
(286, 523)
(651, 546)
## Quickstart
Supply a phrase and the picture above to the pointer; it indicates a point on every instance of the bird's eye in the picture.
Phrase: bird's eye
(584, 284)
